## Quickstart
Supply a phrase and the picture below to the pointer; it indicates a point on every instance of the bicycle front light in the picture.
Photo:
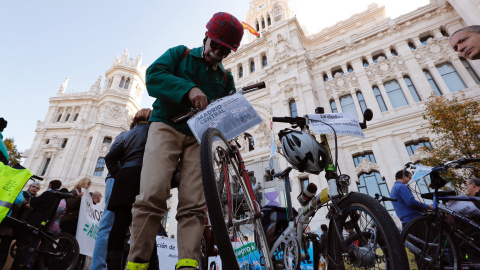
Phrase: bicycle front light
(343, 182)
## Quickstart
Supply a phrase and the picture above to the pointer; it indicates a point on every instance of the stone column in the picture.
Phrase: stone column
(438, 78)
(369, 59)
(337, 102)
(463, 72)
(235, 73)
(388, 53)
(405, 89)
(467, 10)
(329, 75)
(67, 171)
(357, 104)
(344, 69)
(416, 41)
(437, 34)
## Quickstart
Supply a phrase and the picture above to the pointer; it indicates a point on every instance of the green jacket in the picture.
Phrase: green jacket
(3, 151)
(170, 78)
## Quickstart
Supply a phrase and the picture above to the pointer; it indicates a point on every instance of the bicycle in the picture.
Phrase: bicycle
(36, 247)
(435, 243)
(223, 169)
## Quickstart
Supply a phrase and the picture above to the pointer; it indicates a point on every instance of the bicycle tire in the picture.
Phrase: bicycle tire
(68, 250)
(373, 240)
(225, 205)
(421, 236)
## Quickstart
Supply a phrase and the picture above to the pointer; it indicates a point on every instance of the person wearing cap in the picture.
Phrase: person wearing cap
(3, 150)
(179, 80)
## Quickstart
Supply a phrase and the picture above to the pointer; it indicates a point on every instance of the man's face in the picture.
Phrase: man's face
(33, 190)
(97, 199)
(467, 44)
(214, 53)
(470, 188)
(407, 179)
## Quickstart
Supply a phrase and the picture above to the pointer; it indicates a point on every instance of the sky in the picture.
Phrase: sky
(44, 42)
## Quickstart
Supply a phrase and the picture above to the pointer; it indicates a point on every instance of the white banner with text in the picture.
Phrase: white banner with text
(88, 220)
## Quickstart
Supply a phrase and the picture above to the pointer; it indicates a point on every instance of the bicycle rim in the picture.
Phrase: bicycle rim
(369, 238)
(63, 255)
(431, 246)
(230, 208)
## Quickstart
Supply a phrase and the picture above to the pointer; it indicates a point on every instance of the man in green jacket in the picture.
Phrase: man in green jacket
(180, 79)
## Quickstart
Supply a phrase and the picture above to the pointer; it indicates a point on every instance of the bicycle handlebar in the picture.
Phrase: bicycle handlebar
(381, 198)
(253, 87)
(291, 120)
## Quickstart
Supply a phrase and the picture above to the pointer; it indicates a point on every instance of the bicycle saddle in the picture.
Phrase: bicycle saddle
(429, 196)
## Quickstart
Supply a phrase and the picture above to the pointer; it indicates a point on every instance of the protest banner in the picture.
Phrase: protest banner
(343, 123)
(231, 115)
(420, 172)
(88, 221)
(167, 253)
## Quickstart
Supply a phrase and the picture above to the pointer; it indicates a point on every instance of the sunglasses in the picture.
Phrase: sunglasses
(216, 46)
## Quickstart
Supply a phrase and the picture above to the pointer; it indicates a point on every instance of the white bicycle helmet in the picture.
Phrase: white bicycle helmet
(303, 152)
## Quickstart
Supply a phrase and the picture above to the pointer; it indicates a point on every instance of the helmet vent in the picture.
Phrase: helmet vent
(297, 141)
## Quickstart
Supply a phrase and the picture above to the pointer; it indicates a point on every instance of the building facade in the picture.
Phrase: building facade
(366, 61)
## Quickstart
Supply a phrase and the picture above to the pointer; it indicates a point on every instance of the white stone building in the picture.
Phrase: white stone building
(389, 65)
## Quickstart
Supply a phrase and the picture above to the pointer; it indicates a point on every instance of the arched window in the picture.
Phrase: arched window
(99, 167)
(45, 167)
(365, 62)
(451, 77)
(269, 21)
(122, 82)
(127, 83)
(264, 61)
(412, 89)
(293, 108)
(376, 56)
(470, 70)
(75, 117)
(107, 139)
(333, 105)
(348, 106)
(252, 67)
(373, 183)
(59, 118)
(432, 82)
(411, 46)
(393, 52)
(339, 70)
(350, 69)
(68, 117)
(395, 94)
(368, 156)
(424, 39)
(361, 101)
(378, 96)
(240, 72)
(64, 143)
(412, 146)
(251, 142)
(258, 26)
(263, 23)
(325, 77)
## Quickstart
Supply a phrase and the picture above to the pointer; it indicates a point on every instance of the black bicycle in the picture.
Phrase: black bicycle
(442, 238)
(37, 248)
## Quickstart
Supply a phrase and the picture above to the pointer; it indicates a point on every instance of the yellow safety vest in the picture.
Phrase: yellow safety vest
(12, 182)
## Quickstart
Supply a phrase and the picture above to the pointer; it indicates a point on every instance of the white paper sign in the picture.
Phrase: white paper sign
(343, 123)
(420, 172)
(167, 253)
(88, 221)
(231, 115)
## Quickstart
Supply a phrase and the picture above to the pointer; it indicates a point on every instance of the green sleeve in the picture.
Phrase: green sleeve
(230, 83)
(161, 80)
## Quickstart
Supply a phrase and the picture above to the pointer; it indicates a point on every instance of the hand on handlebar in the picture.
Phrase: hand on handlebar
(198, 98)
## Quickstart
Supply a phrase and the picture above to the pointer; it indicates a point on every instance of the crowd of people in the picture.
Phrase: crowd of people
(142, 161)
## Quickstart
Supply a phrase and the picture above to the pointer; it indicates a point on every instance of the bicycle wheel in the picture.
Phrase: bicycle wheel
(431, 245)
(368, 237)
(231, 209)
(63, 255)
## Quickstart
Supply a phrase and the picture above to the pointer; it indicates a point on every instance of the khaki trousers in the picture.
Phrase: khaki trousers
(165, 150)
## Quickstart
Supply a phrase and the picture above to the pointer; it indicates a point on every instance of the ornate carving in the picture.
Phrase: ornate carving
(341, 85)
(418, 155)
(262, 135)
(366, 166)
(277, 12)
(385, 69)
(111, 110)
(283, 48)
(435, 51)
(63, 86)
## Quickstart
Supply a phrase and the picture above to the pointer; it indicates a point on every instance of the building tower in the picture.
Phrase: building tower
(77, 131)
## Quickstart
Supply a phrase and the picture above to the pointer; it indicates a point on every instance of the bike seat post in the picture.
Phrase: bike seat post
(285, 175)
